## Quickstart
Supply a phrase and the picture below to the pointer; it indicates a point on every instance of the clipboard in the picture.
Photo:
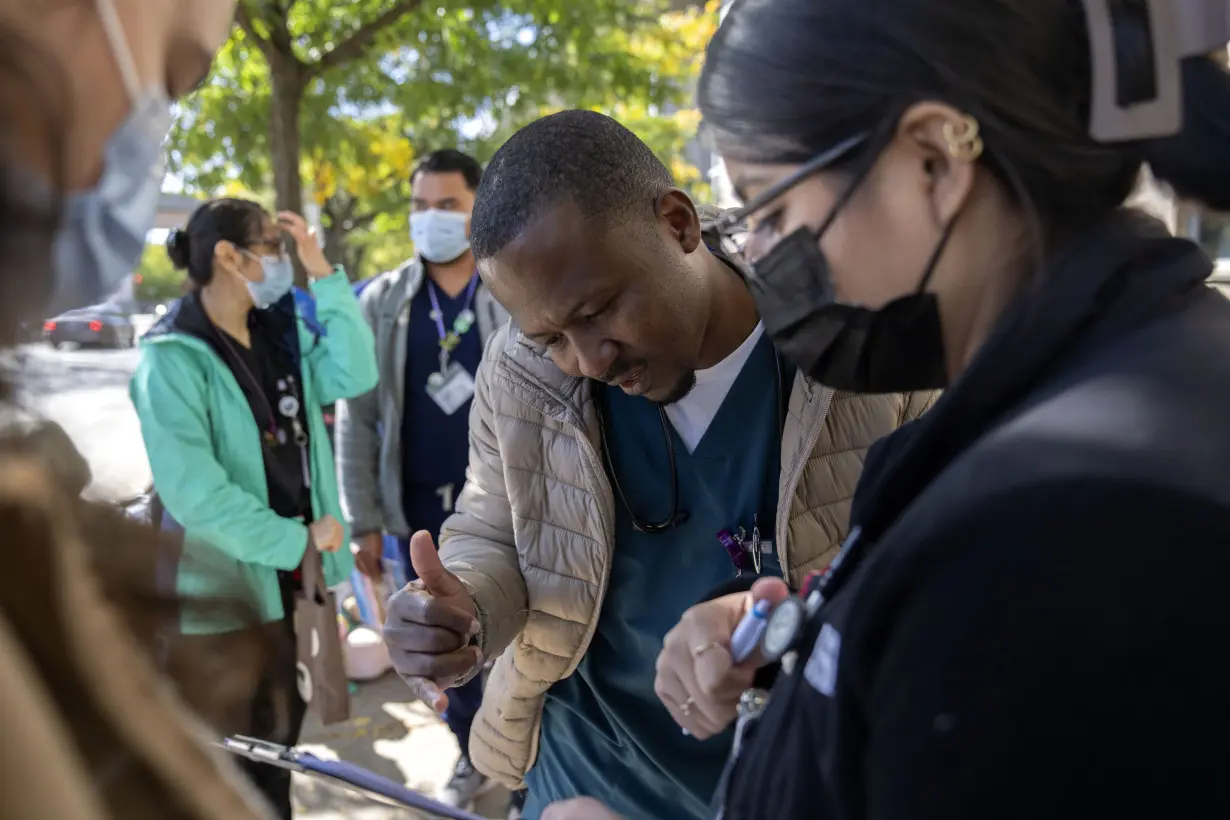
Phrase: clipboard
(339, 772)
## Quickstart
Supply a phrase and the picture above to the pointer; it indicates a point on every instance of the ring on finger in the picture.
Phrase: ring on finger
(697, 651)
(686, 706)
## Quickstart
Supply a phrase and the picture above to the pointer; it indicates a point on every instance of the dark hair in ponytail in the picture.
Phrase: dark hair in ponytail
(191, 248)
(785, 80)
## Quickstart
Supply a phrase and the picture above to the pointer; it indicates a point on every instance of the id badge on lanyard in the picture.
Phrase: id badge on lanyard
(451, 386)
(454, 388)
(288, 407)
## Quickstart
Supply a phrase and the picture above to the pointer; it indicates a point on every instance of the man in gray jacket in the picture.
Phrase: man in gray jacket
(402, 449)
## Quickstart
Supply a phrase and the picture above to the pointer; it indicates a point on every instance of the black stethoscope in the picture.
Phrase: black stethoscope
(677, 517)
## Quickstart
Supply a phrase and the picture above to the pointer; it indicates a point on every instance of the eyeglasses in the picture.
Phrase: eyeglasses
(279, 246)
(730, 222)
(677, 516)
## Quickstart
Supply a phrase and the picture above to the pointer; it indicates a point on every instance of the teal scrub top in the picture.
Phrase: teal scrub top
(605, 733)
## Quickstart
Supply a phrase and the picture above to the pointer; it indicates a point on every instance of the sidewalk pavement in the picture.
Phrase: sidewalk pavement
(391, 736)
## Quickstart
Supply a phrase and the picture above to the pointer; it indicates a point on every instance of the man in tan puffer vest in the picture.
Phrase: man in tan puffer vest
(635, 442)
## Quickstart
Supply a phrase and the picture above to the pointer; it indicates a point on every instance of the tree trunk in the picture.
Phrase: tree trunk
(284, 142)
(335, 243)
(338, 212)
(355, 257)
(286, 78)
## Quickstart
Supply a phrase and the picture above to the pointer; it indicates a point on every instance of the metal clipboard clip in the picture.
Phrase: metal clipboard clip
(262, 751)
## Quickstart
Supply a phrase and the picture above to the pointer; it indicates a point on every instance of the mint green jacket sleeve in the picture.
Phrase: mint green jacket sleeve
(169, 393)
(342, 363)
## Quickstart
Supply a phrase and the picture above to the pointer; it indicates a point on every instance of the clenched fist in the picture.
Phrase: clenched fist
(429, 627)
(326, 533)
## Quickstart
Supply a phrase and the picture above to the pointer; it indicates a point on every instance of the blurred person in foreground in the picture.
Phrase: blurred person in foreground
(229, 391)
(1026, 621)
(91, 731)
(635, 441)
(403, 447)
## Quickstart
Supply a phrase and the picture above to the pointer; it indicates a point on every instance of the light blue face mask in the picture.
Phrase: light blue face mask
(102, 231)
(279, 278)
(439, 236)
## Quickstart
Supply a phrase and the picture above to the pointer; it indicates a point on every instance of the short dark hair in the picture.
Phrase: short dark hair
(577, 156)
(448, 161)
(191, 248)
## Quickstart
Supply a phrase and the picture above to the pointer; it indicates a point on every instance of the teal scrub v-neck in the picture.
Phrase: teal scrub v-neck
(604, 732)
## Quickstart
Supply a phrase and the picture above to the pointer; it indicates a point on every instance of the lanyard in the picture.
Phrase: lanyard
(464, 321)
(288, 408)
(270, 432)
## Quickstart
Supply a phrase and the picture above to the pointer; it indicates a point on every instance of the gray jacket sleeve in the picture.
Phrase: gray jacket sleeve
(357, 435)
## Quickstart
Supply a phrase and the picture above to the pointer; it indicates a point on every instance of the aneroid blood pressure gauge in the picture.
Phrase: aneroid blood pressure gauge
(783, 630)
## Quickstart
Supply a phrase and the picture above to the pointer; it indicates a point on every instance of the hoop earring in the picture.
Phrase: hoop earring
(966, 145)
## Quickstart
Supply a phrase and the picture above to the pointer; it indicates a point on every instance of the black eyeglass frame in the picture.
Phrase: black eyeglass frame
(729, 220)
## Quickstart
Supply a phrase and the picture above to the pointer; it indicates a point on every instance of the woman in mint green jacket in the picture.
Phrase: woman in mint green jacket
(229, 391)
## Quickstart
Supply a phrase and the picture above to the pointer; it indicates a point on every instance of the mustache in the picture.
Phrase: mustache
(619, 371)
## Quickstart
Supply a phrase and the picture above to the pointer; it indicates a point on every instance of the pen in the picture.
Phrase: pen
(749, 631)
(747, 635)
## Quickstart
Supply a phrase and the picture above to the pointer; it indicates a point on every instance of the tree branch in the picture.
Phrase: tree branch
(362, 221)
(243, 19)
(353, 47)
(276, 46)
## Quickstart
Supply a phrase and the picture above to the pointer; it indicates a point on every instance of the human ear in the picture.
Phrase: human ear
(675, 208)
(228, 258)
(947, 144)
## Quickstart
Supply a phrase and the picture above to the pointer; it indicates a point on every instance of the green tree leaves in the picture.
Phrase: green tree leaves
(156, 279)
(342, 96)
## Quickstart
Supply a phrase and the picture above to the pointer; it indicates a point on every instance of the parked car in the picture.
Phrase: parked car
(98, 326)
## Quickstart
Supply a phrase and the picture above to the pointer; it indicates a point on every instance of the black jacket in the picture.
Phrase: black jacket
(1033, 620)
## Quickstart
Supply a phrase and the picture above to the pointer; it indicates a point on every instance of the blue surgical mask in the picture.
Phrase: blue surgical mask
(102, 231)
(439, 236)
(279, 278)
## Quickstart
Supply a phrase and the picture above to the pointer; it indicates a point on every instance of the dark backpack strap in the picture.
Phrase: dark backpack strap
(315, 327)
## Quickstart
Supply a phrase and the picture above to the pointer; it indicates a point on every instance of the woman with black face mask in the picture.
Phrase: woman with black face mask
(1026, 619)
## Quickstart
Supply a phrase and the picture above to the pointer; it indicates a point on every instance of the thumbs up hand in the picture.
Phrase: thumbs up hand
(429, 626)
